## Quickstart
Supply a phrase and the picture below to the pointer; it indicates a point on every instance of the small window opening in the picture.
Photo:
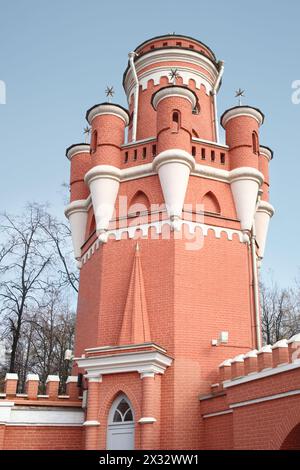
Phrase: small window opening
(152, 47)
(165, 44)
(191, 46)
(193, 151)
(222, 158)
(203, 154)
(213, 156)
(179, 44)
(153, 150)
(255, 142)
(126, 157)
(144, 152)
(175, 121)
(94, 142)
(135, 155)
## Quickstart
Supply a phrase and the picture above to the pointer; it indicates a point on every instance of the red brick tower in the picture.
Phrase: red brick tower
(167, 230)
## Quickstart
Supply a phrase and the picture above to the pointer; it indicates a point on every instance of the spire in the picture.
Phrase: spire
(135, 326)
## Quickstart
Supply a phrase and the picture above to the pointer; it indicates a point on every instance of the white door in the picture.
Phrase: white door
(120, 432)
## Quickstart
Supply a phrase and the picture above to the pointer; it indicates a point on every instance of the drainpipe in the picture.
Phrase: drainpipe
(131, 56)
(255, 288)
(214, 94)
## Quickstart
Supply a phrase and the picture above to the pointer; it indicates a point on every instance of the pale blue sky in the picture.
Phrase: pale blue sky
(56, 58)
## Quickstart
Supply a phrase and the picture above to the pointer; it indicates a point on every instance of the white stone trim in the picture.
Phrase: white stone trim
(250, 354)
(174, 90)
(144, 228)
(266, 152)
(147, 420)
(52, 378)
(280, 344)
(218, 413)
(261, 375)
(111, 109)
(126, 346)
(91, 423)
(266, 207)
(173, 155)
(76, 149)
(72, 379)
(102, 171)
(32, 378)
(11, 376)
(242, 111)
(81, 205)
(39, 416)
(141, 362)
(210, 142)
(147, 375)
(263, 399)
(138, 142)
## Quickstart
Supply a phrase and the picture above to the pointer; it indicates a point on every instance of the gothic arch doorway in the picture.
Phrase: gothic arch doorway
(120, 429)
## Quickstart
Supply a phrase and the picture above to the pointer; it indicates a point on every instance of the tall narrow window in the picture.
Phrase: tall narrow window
(135, 155)
(126, 157)
(94, 142)
(203, 154)
(222, 158)
(144, 153)
(175, 121)
(193, 151)
(255, 142)
(153, 150)
(213, 156)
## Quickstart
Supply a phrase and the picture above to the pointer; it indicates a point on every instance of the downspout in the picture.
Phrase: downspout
(255, 288)
(214, 94)
(131, 56)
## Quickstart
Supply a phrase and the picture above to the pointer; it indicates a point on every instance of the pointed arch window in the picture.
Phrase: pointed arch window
(123, 412)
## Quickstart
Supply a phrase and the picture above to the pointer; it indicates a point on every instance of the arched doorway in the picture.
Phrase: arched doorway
(120, 430)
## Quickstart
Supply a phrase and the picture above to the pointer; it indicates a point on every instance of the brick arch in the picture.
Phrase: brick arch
(140, 198)
(211, 203)
(110, 397)
(105, 406)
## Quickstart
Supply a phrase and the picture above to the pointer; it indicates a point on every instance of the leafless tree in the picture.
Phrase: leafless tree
(35, 262)
(280, 313)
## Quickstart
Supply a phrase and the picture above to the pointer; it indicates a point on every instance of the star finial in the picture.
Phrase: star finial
(240, 94)
(109, 92)
(86, 132)
(174, 74)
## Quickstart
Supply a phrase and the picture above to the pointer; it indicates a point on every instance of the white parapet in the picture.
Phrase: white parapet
(174, 167)
(104, 182)
(263, 215)
(77, 214)
(245, 183)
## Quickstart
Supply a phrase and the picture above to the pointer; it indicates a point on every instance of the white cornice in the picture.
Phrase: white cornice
(146, 361)
(103, 171)
(81, 205)
(35, 416)
(108, 109)
(266, 207)
(242, 111)
(76, 149)
(266, 152)
(172, 91)
(171, 55)
(247, 173)
(173, 155)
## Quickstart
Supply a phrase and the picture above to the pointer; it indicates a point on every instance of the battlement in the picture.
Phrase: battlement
(254, 365)
(32, 396)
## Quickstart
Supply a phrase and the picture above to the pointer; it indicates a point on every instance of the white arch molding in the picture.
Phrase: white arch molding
(120, 427)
